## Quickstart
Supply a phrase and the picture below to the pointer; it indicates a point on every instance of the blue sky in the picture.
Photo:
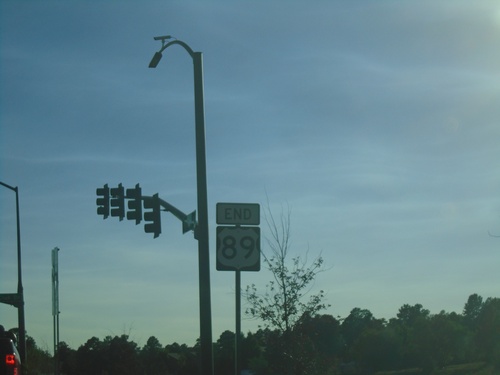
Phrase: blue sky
(375, 122)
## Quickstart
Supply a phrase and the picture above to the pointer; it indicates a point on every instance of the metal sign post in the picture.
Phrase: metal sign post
(55, 306)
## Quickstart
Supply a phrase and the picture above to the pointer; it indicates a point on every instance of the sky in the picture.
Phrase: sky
(374, 123)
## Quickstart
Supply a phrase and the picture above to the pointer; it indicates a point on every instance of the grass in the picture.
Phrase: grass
(477, 368)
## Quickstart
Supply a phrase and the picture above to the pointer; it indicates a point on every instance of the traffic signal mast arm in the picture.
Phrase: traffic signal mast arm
(14, 299)
(188, 221)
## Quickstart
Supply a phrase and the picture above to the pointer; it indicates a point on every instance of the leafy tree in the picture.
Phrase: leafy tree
(488, 331)
(322, 343)
(377, 348)
(39, 361)
(224, 353)
(253, 352)
(91, 357)
(356, 322)
(472, 309)
(153, 358)
(409, 315)
(114, 355)
(67, 359)
(121, 355)
(287, 298)
(282, 305)
(446, 339)
(413, 328)
(183, 360)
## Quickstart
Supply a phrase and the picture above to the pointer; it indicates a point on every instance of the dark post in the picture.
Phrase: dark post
(202, 230)
(20, 293)
(237, 341)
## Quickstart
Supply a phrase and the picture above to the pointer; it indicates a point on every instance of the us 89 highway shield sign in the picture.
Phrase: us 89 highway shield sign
(238, 248)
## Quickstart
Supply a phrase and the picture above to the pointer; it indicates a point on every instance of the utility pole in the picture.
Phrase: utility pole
(55, 306)
(201, 233)
(17, 299)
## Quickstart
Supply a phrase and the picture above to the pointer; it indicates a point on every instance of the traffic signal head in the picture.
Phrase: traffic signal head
(118, 202)
(135, 204)
(152, 216)
(103, 201)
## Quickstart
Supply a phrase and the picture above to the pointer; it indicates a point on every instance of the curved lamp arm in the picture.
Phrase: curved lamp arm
(158, 55)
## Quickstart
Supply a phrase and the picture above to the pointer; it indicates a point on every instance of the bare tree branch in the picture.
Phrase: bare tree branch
(284, 302)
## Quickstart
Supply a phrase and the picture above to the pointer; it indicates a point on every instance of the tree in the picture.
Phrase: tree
(183, 360)
(358, 321)
(488, 331)
(447, 339)
(409, 315)
(90, 357)
(472, 309)
(287, 299)
(39, 361)
(121, 355)
(224, 353)
(253, 352)
(413, 326)
(67, 359)
(283, 305)
(322, 343)
(377, 348)
(153, 357)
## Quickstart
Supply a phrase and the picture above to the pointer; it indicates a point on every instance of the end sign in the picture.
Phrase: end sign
(238, 213)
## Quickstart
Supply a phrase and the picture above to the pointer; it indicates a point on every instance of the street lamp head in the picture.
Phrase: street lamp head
(157, 57)
(162, 38)
(155, 60)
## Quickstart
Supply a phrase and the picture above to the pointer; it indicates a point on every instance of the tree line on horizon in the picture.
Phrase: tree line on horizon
(297, 339)
(317, 344)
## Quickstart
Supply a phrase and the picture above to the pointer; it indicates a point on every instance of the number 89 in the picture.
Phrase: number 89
(229, 244)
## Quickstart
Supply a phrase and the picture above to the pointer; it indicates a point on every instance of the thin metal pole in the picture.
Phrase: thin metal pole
(20, 293)
(202, 229)
(55, 306)
(237, 341)
(55, 340)
(56, 352)
(201, 232)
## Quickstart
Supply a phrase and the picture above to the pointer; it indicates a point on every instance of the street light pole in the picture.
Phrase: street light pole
(20, 293)
(201, 231)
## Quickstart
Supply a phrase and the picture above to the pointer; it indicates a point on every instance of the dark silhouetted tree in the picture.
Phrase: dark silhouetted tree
(224, 354)
(322, 343)
(90, 357)
(153, 358)
(358, 321)
(409, 315)
(39, 361)
(472, 309)
(284, 301)
(67, 359)
(122, 355)
(287, 297)
(488, 331)
(377, 348)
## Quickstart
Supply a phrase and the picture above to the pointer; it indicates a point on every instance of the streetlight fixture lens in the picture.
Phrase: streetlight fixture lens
(155, 60)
